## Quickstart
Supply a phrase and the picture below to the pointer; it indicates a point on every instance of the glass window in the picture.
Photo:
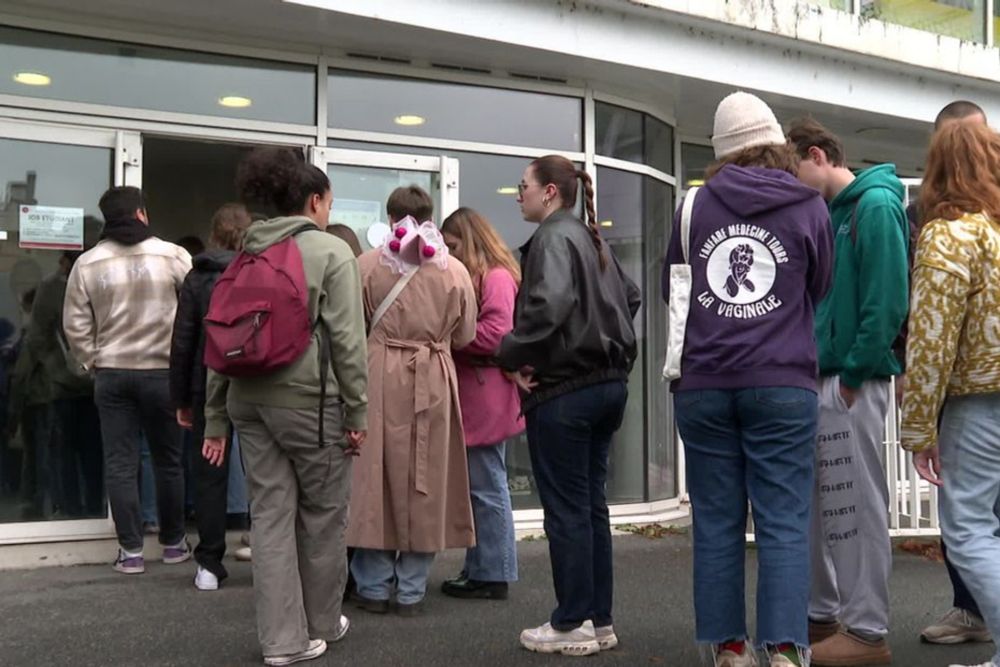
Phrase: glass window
(77, 69)
(362, 101)
(659, 141)
(619, 132)
(631, 135)
(51, 464)
(695, 160)
(964, 19)
(658, 210)
(487, 183)
(360, 194)
(619, 207)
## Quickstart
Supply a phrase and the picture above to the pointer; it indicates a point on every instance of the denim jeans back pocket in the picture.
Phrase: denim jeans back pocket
(782, 397)
(685, 399)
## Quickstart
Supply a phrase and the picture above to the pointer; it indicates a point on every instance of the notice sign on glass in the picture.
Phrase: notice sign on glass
(51, 228)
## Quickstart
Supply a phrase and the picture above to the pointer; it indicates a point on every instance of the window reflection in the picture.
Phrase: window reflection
(695, 159)
(144, 77)
(362, 101)
(51, 461)
(631, 135)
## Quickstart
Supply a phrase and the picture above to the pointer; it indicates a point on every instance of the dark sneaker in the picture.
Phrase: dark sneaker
(178, 553)
(316, 648)
(370, 605)
(472, 589)
(410, 610)
(129, 564)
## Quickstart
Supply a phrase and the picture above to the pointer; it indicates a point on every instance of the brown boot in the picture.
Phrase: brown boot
(847, 650)
(820, 630)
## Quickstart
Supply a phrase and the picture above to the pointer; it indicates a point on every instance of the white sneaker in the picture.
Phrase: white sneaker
(205, 580)
(345, 625)
(606, 637)
(576, 642)
(317, 647)
(956, 627)
(243, 554)
(733, 659)
(985, 664)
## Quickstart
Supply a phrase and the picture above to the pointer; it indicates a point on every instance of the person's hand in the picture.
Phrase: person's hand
(354, 441)
(214, 451)
(524, 379)
(849, 395)
(928, 465)
(185, 418)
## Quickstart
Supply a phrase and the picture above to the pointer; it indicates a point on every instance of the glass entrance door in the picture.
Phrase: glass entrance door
(51, 458)
(363, 180)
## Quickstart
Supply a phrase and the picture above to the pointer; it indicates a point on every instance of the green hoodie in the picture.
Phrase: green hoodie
(862, 314)
(335, 294)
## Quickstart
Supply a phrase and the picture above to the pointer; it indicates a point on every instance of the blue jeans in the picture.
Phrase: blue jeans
(494, 558)
(755, 444)
(970, 497)
(374, 570)
(569, 437)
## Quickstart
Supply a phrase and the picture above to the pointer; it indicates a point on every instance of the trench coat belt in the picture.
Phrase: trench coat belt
(420, 364)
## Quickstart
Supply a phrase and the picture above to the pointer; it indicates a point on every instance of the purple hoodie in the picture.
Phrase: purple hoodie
(761, 258)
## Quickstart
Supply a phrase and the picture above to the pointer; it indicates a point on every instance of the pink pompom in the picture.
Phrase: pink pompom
(429, 251)
(394, 245)
(400, 232)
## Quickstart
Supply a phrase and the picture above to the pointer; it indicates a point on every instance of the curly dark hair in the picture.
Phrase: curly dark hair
(278, 180)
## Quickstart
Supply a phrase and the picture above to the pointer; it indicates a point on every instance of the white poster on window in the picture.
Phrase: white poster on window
(51, 228)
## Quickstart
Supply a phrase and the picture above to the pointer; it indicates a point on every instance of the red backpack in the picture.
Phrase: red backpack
(258, 317)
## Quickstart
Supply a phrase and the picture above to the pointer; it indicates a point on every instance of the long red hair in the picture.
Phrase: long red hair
(963, 173)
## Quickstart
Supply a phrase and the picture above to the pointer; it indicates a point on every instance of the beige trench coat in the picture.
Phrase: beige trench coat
(410, 488)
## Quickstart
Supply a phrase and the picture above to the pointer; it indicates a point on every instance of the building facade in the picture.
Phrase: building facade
(456, 96)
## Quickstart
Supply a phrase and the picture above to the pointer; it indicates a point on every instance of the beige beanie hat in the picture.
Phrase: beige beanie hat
(742, 121)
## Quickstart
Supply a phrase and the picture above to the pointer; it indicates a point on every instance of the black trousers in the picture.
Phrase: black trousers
(211, 491)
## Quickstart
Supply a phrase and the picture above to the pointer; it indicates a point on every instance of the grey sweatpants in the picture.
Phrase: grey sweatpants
(298, 505)
(851, 552)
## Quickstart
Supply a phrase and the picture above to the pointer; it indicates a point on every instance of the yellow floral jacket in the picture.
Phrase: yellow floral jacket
(954, 341)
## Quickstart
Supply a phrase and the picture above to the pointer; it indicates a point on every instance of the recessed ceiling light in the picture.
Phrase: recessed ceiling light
(32, 79)
(507, 190)
(409, 120)
(607, 223)
(695, 182)
(235, 101)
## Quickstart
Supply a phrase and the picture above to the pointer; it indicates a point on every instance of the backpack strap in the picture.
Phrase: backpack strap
(686, 223)
(390, 298)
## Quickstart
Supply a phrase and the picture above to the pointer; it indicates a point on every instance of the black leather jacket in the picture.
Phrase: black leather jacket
(187, 347)
(573, 323)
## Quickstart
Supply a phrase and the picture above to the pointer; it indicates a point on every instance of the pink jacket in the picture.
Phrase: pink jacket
(491, 406)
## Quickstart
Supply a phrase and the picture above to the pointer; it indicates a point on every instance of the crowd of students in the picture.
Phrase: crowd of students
(802, 276)
(373, 392)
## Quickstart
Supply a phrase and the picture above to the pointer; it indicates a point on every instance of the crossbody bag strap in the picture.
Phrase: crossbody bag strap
(390, 298)
(686, 223)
